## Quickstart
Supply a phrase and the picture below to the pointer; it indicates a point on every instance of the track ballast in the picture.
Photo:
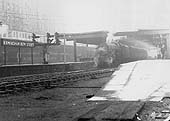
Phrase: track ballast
(18, 84)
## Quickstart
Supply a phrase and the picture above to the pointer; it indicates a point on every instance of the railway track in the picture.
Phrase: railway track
(19, 84)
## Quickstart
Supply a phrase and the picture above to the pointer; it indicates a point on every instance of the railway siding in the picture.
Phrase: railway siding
(17, 84)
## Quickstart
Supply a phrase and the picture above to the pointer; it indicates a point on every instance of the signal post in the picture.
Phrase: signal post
(51, 40)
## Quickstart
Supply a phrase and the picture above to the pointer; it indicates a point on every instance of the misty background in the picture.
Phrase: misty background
(112, 15)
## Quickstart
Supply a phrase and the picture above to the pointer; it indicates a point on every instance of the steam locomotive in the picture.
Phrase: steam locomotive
(122, 51)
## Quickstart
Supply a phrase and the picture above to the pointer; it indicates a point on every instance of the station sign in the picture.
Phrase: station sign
(16, 43)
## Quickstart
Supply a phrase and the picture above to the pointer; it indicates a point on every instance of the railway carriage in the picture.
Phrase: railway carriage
(122, 51)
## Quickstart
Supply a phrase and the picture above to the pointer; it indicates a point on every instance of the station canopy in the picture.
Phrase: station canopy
(144, 32)
(95, 38)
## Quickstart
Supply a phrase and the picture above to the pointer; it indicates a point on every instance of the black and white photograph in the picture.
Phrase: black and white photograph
(84, 60)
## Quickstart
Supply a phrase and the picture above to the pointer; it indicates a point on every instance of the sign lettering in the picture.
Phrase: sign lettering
(17, 43)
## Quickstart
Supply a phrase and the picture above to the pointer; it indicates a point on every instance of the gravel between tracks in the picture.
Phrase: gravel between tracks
(60, 104)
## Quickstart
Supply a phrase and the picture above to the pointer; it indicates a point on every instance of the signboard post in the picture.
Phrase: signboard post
(4, 55)
(19, 55)
(32, 56)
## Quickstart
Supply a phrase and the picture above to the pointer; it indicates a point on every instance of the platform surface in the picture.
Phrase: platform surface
(146, 80)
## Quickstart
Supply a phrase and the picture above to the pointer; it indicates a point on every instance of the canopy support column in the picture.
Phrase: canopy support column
(75, 51)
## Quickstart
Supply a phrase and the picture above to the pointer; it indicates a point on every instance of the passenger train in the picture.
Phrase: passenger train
(122, 51)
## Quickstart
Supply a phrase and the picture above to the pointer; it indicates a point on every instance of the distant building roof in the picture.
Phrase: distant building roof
(125, 33)
(143, 32)
(153, 31)
(96, 37)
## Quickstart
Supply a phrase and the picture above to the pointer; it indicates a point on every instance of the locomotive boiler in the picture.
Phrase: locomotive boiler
(122, 51)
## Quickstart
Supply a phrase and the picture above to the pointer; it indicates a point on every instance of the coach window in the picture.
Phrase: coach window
(25, 36)
(9, 34)
(4, 35)
(20, 35)
(16, 34)
(29, 37)
(13, 34)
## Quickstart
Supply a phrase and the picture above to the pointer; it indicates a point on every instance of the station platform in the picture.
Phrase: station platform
(146, 80)
(17, 70)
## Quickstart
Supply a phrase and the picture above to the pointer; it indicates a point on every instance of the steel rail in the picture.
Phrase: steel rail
(18, 84)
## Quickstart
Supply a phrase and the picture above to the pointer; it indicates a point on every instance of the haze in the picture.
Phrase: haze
(111, 15)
